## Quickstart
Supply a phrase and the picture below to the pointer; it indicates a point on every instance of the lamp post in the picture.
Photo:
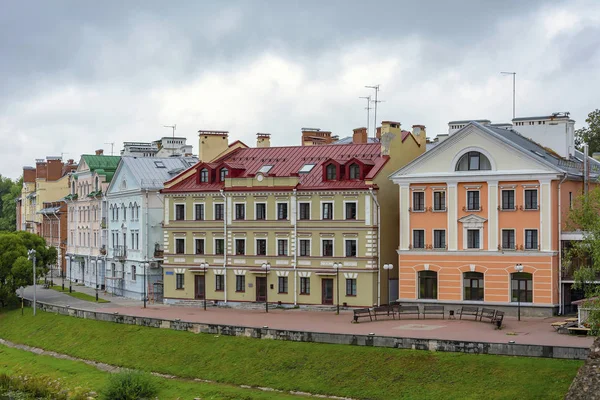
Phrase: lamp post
(267, 268)
(62, 273)
(204, 266)
(145, 265)
(31, 256)
(71, 273)
(337, 267)
(388, 267)
(519, 268)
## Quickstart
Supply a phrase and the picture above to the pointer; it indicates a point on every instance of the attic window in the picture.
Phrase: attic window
(473, 161)
(306, 168)
(354, 171)
(265, 169)
(224, 173)
(331, 172)
(159, 164)
(204, 175)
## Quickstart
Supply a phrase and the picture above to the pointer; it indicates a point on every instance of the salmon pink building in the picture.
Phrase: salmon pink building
(483, 216)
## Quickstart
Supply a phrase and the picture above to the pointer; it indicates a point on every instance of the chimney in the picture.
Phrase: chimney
(263, 140)
(315, 136)
(28, 174)
(41, 169)
(378, 133)
(359, 136)
(212, 144)
(100, 152)
(70, 161)
(55, 167)
(420, 134)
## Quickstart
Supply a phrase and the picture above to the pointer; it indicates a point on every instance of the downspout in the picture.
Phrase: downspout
(295, 249)
(378, 247)
(560, 294)
(224, 243)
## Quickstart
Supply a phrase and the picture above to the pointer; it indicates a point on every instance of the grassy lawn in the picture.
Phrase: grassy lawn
(359, 372)
(79, 295)
(80, 377)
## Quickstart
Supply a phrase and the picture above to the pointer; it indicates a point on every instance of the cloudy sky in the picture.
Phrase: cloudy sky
(75, 75)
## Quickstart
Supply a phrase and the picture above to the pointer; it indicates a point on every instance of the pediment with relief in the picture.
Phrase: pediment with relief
(472, 221)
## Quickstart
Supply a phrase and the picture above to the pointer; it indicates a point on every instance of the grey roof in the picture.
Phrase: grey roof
(49, 210)
(348, 140)
(560, 116)
(431, 145)
(466, 121)
(153, 172)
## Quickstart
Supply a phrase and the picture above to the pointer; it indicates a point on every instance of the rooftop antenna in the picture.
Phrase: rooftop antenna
(376, 87)
(112, 146)
(174, 126)
(514, 75)
(62, 155)
(368, 108)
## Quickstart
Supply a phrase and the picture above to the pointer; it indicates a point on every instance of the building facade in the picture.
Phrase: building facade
(482, 215)
(54, 231)
(134, 224)
(302, 210)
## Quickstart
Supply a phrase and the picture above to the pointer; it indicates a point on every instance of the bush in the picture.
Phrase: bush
(129, 385)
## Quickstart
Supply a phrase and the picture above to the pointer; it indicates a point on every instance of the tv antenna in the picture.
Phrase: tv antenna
(376, 87)
(368, 108)
(514, 75)
(174, 126)
(112, 147)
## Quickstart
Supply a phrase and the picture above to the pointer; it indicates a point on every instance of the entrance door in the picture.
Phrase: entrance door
(200, 287)
(261, 288)
(327, 291)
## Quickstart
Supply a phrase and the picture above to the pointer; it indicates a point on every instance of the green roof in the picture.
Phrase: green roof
(104, 165)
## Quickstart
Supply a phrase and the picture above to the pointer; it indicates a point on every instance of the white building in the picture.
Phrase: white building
(164, 147)
(135, 233)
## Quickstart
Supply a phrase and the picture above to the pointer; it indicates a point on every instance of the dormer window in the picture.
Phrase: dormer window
(223, 174)
(473, 161)
(354, 171)
(204, 175)
(331, 172)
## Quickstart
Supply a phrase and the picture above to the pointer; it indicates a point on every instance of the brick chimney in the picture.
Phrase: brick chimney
(28, 174)
(41, 169)
(100, 152)
(55, 167)
(378, 133)
(315, 136)
(359, 136)
(263, 140)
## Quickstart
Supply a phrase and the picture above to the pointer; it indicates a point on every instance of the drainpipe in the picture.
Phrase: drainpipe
(224, 242)
(560, 294)
(378, 247)
(295, 249)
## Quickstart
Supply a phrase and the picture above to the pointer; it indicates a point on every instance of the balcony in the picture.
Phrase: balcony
(120, 252)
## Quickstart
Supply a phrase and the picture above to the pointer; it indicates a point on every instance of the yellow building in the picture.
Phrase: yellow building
(300, 210)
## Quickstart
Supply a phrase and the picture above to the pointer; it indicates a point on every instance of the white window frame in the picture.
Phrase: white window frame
(332, 246)
(467, 199)
(266, 239)
(356, 244)
(525, 239)
(214, 249)
(465, 237)
(266, 211)
(287, 247)
(433, 239)
(514, 200)
(309, 210)
(537, 197)
(277, 203)
(235, 239)
(412, 201)
(309, 247)
(201, 203)
(332, 210)
(356, 205)
(214, 216)
(502, 238)
(235, 204)
(175, 238)
(133, 273)
(196, 245)
(412, 238)
(175, 211)
(434, 191)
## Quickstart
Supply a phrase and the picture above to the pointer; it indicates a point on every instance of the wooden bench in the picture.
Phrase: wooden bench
(558, 325)
(487, 313)
(498, 318)
(433, 310)
(408, 310)
(468, 310)
(385, 311)
(579, 331)
(362, 313)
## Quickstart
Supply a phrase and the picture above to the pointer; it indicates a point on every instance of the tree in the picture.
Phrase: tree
(16, 269)
(9, 192)
(591, 134)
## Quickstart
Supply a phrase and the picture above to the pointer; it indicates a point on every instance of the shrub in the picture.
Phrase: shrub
(129, 385)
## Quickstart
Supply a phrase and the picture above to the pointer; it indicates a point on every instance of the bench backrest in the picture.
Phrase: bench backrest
(469, 309)
(434, 308)
(362, 311)
(488, 311)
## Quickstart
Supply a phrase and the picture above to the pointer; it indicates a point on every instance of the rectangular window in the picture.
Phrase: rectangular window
(219, 246)
(439, 239)
(472, 238)
(240, 247)
(351, 210)
(219, 214)
(531, 239)
(178, 281)
(133, 273)
(418, 201)
(350, 248)
(261, 211)
(261, 247)
(473, 200)
(350, 287)
(179, 212)
(199, 212)
(327, 210)
(219, 283)
(240, 283)
(199, 246)
(327, 247)
(304, 248)
(282, 247)
(304, 285)
(508, 199)
(240, 211)
(508, 239)
(179, 246)
(305, 211)
(418, 239)
(439, 201)
(282, 211)
(531, 199)
(282, 284)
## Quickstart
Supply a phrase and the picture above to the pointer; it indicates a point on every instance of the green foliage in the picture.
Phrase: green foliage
(129, 385)
(9, 191)
(591, 134)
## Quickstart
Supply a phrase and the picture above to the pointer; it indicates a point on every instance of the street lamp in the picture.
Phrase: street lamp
(31, 256)
(519, 268)
(145, 265)
(388, 267)
(337, 267)
(96, 263)
(267, 268)
(71, 259)
(204, 266)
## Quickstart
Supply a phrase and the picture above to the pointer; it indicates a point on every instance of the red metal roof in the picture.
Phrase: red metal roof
(287, 162)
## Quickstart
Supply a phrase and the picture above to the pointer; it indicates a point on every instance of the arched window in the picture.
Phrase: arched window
(521, 286)
(354, 171)
(428, 285)
(204, 175)
(473, 286)
(223, 174)
(473, 161)
(331, 172)
(73, 188)
(124, 212)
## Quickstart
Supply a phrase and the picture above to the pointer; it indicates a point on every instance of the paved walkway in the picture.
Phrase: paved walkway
(527, 331)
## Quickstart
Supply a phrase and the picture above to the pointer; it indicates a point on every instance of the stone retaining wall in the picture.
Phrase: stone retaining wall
(586, 385)
(507, 349)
